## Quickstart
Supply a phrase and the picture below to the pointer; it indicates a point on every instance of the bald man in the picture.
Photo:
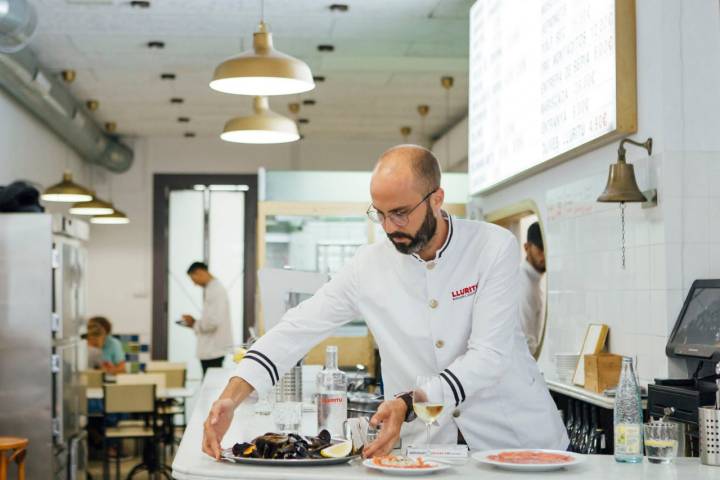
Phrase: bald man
(440, 298)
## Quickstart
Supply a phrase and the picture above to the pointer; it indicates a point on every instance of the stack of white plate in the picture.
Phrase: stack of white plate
(565, 364)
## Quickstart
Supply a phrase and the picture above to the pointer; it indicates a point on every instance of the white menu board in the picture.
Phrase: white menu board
(542, 83)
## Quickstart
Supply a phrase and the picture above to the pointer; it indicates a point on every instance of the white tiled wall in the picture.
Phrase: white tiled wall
(668, 247)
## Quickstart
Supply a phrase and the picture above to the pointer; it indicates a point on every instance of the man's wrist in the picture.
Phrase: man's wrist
(406, 400)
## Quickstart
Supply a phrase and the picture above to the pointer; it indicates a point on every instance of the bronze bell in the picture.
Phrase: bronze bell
(621, 185)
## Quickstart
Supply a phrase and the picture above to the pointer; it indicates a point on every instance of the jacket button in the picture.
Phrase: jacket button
(456, 413)
(433, 303)
(439, 344)
(430, 265)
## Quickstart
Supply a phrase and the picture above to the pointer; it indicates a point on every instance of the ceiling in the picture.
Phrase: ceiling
(388, 59)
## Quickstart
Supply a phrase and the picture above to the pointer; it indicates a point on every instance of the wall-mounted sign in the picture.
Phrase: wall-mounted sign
(549, 79)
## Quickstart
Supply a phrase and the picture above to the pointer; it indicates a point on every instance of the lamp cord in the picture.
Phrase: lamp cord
(622, 233)
(262, 11)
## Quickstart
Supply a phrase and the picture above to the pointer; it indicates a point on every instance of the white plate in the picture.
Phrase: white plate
(482, 457)
(436, 467)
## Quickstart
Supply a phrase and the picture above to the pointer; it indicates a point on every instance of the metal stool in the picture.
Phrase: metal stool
(18, 449)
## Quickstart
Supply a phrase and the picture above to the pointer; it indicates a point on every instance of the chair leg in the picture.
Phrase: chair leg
(3, 466)
(135, 470)
(106, 464)
(118, 455)
(19, 457)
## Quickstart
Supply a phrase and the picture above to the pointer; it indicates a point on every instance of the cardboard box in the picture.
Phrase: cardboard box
(602, 371)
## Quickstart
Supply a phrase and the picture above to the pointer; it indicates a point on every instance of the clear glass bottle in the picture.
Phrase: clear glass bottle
(627, 417)
(332, 394)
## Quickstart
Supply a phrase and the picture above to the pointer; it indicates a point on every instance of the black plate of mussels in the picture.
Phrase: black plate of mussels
(286, 450)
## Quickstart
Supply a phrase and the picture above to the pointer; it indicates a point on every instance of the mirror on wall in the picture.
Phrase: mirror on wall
(523, 220)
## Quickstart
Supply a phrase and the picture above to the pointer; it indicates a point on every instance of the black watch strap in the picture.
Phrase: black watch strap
(407, 398)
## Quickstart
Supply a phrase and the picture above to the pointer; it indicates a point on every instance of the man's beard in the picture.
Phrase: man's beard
(420, 240)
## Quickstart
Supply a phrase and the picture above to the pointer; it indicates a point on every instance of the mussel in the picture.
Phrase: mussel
(287, 447)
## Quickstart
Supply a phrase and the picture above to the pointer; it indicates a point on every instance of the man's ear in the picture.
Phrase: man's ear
(526, 246)
(438, 198)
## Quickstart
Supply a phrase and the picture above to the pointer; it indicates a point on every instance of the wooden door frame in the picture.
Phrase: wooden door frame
(163, 184)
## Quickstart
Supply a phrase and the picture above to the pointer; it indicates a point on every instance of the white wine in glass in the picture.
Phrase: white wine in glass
(427, 403)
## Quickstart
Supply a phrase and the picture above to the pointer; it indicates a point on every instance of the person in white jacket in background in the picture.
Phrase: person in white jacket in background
(440, 297)
(213, 329)
(532, 270)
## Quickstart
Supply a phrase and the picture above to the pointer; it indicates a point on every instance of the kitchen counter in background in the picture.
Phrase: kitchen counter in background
(191, 464)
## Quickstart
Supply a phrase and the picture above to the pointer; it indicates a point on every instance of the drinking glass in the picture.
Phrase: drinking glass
(661, 441)
(427, 402)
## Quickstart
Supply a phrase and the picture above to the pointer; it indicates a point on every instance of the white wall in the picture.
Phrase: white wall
(668, 246)
(121, 256)
(30, 151)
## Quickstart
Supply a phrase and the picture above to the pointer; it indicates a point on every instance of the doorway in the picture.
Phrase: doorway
(208, 218)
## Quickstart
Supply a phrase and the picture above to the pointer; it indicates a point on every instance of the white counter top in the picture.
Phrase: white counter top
(191, 464)
(580, 393)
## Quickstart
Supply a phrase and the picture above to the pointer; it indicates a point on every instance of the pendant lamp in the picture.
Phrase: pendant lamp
(67, 191)
(262, 71)
(115, 218)
(92, 207)
(262, 127)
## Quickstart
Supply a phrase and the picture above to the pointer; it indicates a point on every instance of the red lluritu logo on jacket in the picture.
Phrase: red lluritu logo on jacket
(464, 292)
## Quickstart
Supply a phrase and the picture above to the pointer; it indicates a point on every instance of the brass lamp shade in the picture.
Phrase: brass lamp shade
(92, 207)
(262, 127)
(67, 191)
(621, 185)
(115, 218)
(262, 71)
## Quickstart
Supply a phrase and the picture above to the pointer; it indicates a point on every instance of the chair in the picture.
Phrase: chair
(136, 399)
(92, 378)
(156, 379)
(18, 450)
(175, 376)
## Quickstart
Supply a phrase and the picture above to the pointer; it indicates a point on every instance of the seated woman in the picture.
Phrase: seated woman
(112, 355)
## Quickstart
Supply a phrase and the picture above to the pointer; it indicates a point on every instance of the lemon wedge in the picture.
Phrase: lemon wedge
(239, 354)
(338, 450)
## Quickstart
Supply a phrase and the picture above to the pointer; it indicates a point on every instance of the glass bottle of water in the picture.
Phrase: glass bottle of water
(627, 419)
(332, 394)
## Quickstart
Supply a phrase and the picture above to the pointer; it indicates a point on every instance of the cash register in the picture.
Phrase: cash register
(695, 342)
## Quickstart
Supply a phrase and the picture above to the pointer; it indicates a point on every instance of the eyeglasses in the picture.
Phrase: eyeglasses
(398, 218)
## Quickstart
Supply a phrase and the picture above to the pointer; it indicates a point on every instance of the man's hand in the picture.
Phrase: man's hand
(221, 415)
(216, 424)
(189, 320)
(391, 414)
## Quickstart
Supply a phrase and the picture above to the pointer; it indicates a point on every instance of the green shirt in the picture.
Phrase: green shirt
(112, 351)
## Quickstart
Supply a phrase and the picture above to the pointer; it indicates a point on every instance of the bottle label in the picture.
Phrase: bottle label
(627, 439)
(332, 412)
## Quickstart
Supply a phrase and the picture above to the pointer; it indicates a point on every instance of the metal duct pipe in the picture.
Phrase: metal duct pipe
(49, 100)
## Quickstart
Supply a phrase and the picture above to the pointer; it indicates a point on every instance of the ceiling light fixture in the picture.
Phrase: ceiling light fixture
(156, 44)
(303, 121)
(95, 206)
(262, 127)
(111, 127)
(189, 134)
(177, 100)
(68, 76)
(318, 78)
(92, 105)
(262, 70)
(167, 76)
(405, 132)
(339, 7)
(140, 4)
(115, 218)
(67, 191)
(326, 48)
(309, 102)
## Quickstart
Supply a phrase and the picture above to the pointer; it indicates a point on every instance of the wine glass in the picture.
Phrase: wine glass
(428, 402)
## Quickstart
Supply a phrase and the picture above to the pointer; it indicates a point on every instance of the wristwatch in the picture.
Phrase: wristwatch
(407, 398)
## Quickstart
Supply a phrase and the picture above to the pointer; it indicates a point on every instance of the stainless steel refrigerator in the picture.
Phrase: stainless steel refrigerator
(42, 299)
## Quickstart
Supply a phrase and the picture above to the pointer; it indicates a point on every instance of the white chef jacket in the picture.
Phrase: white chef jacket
(455, 316)
(213, 330)
(531, 305)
